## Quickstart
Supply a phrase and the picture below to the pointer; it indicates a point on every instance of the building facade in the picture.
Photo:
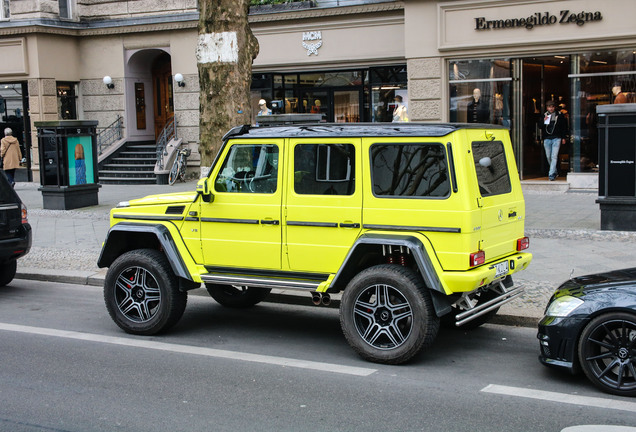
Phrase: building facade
(490, 61)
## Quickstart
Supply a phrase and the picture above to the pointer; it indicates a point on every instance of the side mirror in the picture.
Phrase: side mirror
(203, 188)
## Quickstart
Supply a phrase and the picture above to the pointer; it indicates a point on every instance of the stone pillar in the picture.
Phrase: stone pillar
(42, 107)
(425, 89)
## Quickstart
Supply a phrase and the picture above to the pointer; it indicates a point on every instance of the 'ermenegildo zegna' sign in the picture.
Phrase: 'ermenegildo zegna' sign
(539, 19)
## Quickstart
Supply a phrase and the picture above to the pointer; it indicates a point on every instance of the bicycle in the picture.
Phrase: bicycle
(178, 170)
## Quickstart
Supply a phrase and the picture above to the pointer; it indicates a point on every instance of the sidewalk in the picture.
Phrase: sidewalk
(563, 228)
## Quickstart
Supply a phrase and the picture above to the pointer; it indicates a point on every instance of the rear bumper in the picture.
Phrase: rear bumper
(470, 280)
(15, 247)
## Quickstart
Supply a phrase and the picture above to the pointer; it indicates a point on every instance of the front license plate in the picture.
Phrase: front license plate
(501, 268)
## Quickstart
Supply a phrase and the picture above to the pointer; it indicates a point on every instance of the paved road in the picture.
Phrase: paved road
(67, 367)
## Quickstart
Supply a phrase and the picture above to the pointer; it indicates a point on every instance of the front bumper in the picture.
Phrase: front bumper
(558, 339)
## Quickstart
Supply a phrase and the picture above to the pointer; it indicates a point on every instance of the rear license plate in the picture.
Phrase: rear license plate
(501, 268)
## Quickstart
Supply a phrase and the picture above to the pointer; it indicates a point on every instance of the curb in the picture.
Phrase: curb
(277, 296)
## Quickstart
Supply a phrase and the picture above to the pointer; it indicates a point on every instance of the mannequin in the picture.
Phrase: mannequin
(262, 104)
(619, 96)
(315, 109)
(399, 113)
(477, 111)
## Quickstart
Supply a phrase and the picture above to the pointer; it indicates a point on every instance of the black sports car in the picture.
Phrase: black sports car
(15, 231)
(590, 324)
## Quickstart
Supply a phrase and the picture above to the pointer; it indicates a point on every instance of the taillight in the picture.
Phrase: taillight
(523, 243)
(24, 214)
(477, 258)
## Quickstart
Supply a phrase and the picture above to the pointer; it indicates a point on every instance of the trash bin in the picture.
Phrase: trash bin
(68, 163)
(617, 166)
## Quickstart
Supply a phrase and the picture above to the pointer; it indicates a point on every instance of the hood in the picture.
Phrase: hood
(624, 279)
(167, 198)
(10, 139)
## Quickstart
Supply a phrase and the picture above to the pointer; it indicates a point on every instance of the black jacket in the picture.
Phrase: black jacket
(557, 128)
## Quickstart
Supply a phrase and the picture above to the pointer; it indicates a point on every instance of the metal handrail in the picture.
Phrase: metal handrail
(168, 132)
(110, 134)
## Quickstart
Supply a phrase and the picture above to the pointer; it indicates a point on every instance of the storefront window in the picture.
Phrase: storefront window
(351, 96)
(480, 91)
(66, 101)
(386, 84)
(598, 78)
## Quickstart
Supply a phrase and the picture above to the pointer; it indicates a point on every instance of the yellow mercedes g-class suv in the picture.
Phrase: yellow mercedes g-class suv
(413, 223)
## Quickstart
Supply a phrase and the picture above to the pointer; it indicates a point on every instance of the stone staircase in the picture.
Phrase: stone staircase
(134, 163)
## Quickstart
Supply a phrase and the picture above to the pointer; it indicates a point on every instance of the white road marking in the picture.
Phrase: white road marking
(187, 349)
(561, 397)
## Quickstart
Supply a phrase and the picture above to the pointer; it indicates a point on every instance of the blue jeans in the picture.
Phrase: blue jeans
(551, 146)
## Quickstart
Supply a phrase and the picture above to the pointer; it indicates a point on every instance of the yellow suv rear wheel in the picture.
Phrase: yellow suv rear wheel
(387, 315)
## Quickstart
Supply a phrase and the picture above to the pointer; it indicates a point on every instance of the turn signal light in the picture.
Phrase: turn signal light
(523, 243)
(477, 258)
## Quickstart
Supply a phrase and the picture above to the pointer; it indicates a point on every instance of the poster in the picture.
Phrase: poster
(80, 160)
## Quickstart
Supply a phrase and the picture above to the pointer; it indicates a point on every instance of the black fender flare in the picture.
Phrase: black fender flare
(422, 259)
(118, 241)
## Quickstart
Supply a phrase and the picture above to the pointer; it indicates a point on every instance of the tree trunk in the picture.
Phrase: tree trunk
(225, 51)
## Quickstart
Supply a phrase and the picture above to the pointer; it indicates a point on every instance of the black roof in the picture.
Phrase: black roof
(354, 130)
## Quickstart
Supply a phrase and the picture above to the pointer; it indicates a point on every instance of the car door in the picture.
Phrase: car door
(241, 227)
(323, 211)
(501, 201)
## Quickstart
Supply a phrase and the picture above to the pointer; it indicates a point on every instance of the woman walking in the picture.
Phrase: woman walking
(11, 154)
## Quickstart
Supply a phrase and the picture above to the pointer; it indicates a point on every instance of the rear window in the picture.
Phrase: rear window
(409, 170)
(491, 167)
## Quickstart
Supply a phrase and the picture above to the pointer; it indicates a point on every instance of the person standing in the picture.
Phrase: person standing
(11, 154)
(555, 131)
(399, 112)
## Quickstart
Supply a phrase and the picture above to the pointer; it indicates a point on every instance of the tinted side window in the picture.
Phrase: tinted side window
(491, 167)
(409, 170)
(324, 169)
(249, 169)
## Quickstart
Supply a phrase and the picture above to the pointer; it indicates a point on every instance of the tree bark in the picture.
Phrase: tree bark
(225, 51)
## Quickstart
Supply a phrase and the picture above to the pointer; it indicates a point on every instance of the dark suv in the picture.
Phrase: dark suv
(15, 231)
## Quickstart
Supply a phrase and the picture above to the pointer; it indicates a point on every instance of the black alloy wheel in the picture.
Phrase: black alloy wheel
(607, 353)
(386, 314)
(142, 293)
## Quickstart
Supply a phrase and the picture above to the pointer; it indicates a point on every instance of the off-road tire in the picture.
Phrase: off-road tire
(142, 294)
(7, 272)
(237, 297)
(387, 315)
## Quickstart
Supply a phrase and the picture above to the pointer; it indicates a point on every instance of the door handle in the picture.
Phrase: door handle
(349, 225)
(269, 222)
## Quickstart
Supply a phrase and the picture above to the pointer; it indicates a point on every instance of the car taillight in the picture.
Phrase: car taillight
(523, 243)
(477, 258)
(24, 214)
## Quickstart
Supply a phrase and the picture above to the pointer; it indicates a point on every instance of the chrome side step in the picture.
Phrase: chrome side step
(261, 281)
(477, 311)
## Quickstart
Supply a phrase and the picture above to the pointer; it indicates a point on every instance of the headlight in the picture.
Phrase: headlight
(563, 306)
(123, 204)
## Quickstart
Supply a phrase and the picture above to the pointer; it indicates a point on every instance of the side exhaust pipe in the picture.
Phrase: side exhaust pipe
(326, 299)
(316, 298)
